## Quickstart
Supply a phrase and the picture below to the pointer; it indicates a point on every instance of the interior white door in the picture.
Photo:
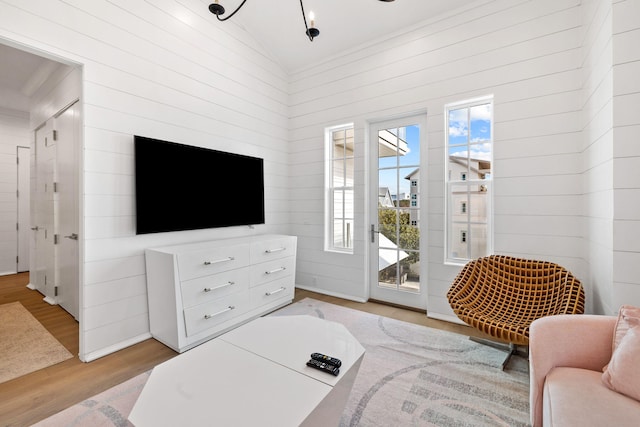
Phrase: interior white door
(67, 139)
(397, 209)
(44, 221)
(24, 208)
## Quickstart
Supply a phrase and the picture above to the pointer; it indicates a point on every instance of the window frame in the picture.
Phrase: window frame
(330, 188)
(453, 183)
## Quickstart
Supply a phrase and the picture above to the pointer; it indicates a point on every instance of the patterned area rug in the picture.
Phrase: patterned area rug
(410, 376)
(25, 345)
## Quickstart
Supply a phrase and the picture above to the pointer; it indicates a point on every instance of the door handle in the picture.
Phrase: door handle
(73, 236)
(373, 233)
(35, 228)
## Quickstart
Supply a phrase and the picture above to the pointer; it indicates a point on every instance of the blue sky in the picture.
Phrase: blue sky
(407, 163)
(470, 130)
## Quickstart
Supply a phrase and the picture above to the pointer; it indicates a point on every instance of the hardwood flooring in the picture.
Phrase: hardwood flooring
(35, 396)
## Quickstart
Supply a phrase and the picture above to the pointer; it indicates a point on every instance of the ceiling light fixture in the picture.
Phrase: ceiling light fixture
(217, 9)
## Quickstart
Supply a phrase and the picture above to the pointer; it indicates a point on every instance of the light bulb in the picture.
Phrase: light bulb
(312, 19)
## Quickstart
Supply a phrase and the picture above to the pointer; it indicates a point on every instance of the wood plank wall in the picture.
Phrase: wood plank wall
(526, 54)
(160, 69)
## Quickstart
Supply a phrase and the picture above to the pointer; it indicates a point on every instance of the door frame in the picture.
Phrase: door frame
(418, 117)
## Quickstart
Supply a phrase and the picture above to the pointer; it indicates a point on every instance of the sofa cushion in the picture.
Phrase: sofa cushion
(577, 397)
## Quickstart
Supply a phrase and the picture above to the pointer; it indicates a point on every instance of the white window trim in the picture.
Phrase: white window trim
(447, 179)
(328, 187)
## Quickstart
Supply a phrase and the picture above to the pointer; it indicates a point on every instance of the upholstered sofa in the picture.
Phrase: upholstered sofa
(567, 355)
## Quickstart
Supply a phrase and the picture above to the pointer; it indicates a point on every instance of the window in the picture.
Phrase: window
(469, 158)
(339, 199)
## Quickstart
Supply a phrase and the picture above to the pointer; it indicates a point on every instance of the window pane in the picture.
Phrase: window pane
(348, 204)
(458, 126)
(338, 204)
(349, 172)
(411, 155)
(338, 173)
(349, 141)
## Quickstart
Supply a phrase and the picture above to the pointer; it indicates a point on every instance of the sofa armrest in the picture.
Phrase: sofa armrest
(568, 340)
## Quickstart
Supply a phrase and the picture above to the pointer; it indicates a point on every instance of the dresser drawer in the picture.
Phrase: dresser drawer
(272, 270)
(211, 261)
(204, 316)
(281, 289)
(209, 288)
(272, 249)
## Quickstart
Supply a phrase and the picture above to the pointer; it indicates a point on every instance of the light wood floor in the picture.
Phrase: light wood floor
(33, 397)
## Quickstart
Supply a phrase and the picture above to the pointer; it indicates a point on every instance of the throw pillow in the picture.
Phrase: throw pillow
(626, 313)
(622, 374)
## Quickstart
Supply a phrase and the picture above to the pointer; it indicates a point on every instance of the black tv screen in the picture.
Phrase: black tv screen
(182, 187)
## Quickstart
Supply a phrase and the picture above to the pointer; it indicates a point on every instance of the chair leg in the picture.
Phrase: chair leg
(511, 349)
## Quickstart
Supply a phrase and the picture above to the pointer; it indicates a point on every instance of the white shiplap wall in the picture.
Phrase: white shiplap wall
(525, 53)
(162, 70)
(597, 129)
(14, 132)
(625, 39)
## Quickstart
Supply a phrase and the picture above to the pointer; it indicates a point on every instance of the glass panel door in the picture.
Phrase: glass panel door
(397, 229)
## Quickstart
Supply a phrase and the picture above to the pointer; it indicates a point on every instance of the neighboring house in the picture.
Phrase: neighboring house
(384, 198)
(468, 209)
(414, 197)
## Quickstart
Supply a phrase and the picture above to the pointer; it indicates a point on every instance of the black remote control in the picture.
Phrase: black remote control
(323, 367)
(326, 359)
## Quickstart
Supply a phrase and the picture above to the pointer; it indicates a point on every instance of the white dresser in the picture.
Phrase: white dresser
(198, 291)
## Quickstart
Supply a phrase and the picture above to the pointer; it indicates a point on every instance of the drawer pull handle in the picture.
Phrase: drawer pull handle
(209, 316)
(219, 261)
(270, 251)
(220, 286)
(276, 270)
(274, 292)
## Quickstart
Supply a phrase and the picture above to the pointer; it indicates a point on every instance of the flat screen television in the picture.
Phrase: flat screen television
(182, 187)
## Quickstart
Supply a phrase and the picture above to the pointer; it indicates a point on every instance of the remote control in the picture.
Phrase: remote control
(323, 367)
(326, 359)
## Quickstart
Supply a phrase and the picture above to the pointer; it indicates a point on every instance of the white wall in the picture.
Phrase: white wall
(598, 146)
(159, 69)
(524, 53)
(625, 40)
(14, 132)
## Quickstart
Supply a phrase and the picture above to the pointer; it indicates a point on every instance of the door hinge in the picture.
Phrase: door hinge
(55, 291)
(55, 187)
(45, 280)
(18, 194)
(17, 226)
(55, 239)
(55, 135)
(17, 259)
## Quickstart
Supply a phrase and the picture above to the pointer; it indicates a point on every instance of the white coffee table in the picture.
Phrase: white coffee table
(254, 375)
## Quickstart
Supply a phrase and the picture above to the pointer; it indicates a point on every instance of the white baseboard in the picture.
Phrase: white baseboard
(445, 317)
(32, 286)
(333, 294)
(51, 301)
(89, 357)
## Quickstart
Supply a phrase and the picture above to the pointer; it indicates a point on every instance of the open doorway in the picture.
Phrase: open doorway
(39, 94)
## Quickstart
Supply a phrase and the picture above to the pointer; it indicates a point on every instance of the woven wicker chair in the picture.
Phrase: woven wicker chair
(501, 295)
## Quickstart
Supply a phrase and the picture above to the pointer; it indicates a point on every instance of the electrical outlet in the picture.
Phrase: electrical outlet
(314, 280)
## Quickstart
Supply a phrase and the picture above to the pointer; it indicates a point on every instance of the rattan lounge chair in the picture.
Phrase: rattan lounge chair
(501, 295)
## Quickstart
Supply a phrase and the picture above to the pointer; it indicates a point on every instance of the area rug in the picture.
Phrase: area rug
(25, 345)
(411, 375)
